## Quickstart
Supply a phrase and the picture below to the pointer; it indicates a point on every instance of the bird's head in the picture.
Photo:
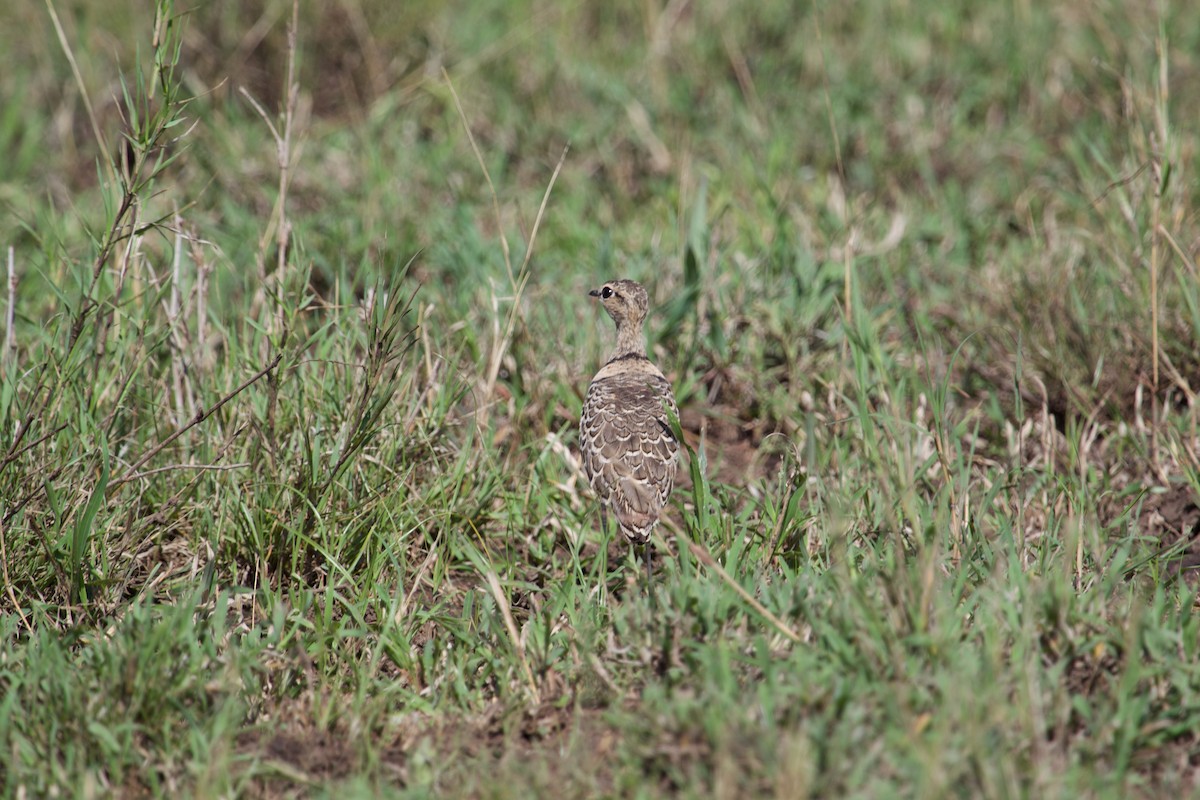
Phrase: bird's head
(624, 300)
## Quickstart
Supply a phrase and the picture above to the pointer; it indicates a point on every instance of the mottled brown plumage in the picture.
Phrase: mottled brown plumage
(629, 451)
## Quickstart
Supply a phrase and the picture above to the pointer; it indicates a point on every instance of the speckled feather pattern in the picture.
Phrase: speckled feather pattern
(629, 452)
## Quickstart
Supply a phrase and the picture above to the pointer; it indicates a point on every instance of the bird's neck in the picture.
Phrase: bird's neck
(630, 341)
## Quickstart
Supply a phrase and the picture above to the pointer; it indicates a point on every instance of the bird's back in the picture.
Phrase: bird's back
(629, 451)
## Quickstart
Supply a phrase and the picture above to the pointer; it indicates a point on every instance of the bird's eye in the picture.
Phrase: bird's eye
(606, 292)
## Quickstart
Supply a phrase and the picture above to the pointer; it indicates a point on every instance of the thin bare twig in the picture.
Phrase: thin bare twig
(87, 102)
(8, 584)
(430, 557)
(184, 467)
(462, 115)
(517, 283)
(262, 112)
(1187, 262)
(1120, 182)
(501, 342)
(201, 415)
(537, 221)
(506, 612)
(707, 559)
(25, 449)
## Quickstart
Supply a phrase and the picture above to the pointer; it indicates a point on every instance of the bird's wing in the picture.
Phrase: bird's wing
(629, 449)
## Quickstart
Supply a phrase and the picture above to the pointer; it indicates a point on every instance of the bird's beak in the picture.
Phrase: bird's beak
(594, 293)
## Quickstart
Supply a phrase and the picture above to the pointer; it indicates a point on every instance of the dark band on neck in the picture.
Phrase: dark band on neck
(627, 357)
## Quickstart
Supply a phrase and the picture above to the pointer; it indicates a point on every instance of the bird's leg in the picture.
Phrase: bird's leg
(603, 520)
(647, 554)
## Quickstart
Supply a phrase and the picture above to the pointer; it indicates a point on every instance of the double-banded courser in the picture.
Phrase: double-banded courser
(629, 451)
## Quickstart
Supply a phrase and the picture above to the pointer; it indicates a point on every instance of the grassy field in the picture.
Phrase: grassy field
(296, 337)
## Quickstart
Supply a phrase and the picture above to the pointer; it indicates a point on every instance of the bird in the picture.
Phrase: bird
(628, 449)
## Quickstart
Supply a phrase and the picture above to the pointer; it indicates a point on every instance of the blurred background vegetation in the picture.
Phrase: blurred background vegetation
(965, 149)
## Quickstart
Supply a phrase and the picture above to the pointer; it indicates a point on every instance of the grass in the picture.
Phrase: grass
(297, 339)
